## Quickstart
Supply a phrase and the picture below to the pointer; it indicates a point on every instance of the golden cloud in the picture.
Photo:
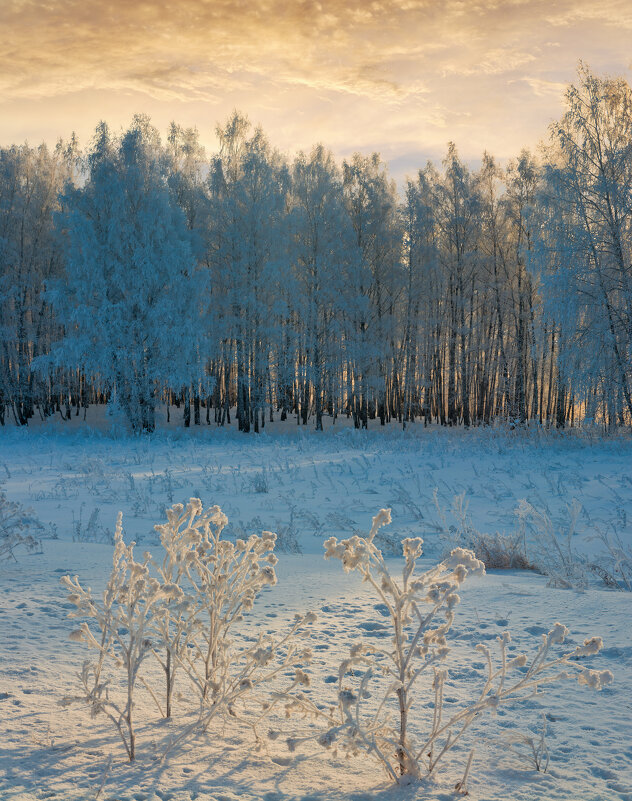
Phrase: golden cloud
(355, 72)
(193, 48)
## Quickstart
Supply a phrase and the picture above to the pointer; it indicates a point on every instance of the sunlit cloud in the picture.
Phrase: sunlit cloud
(544, 88)
(401, 76)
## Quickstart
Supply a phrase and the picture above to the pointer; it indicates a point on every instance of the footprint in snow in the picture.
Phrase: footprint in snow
(535, 630)
(602, 773)
(283, 761)
(370, 626)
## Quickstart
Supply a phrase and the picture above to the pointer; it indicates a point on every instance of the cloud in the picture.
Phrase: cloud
(356, 73)
(188, 48)
(544, 88)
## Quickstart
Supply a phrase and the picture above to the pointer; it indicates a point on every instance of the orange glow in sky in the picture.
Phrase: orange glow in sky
(398, 76)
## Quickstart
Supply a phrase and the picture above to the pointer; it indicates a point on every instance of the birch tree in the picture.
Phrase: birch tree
(128, 301)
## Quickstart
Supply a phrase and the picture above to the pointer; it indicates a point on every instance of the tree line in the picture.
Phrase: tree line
(141, 272)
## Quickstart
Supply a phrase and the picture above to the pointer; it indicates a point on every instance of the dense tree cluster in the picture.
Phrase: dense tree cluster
(141, 273)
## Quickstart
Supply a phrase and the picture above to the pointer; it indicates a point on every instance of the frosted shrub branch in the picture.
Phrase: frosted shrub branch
(122, 625)
(175, 620)
(226, 579)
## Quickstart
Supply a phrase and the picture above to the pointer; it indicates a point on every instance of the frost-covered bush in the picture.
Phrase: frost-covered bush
(259, 482)
(287, 537)
(458, 533)
(378, 686)
(497, 551)
(16, 524)
(501, 551)
(184, 610)
(90, 530)
(530, 750)
(614, 564)
(550, 547)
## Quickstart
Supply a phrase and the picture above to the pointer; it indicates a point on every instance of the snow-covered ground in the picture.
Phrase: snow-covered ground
(308, 486)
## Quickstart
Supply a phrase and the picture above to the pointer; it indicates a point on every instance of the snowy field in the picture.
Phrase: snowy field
(307, 487)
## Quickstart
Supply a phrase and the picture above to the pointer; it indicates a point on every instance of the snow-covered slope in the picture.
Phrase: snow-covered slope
(310, 487)
(307, 486)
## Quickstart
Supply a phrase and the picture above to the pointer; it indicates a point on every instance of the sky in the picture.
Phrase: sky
(402, 77)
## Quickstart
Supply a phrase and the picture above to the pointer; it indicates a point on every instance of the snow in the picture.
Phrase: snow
(316, 485)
